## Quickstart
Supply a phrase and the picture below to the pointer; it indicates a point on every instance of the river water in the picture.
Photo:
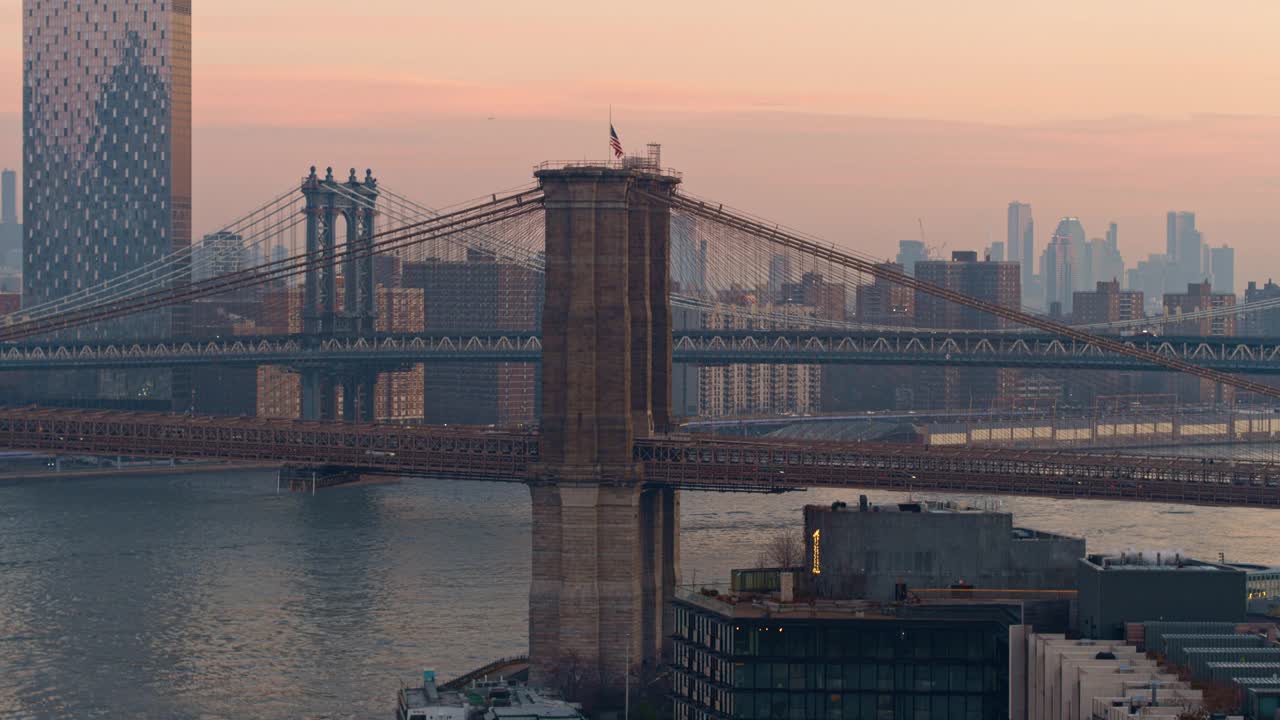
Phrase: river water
(210, 596)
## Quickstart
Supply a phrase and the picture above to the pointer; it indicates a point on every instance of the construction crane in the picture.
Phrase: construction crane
(929, 250)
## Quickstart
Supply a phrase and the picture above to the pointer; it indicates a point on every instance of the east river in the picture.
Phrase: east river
(210, 596)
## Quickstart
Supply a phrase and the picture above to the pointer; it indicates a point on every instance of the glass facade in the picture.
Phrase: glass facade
(839, 669)
(106, 147)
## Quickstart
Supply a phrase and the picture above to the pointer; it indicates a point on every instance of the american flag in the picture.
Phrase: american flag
(614, 142)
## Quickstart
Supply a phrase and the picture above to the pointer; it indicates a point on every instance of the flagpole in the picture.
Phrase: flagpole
(609, 154)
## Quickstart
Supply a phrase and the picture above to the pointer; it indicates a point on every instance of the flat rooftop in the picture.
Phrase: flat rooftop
(948, 604)
(1159, 561)
(936, 508)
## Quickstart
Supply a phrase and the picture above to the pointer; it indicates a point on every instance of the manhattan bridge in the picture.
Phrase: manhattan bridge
(607, 459)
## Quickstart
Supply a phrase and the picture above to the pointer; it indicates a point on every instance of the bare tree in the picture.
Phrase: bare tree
(785, 549)
(575, 679)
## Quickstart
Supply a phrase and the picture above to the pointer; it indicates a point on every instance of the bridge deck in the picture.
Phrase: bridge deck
(711, 347)
(684, 461)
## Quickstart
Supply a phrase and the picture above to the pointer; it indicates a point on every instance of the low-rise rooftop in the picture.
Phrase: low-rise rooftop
(1158, 561)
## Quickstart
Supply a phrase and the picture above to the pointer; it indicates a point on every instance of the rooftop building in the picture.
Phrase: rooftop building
(911, 252)
(1020, 240)
(1142, 586)
(871, 551)
(1199, 298)
(480, 293)
(994, 282)
(1108, 303)
(1264, 322)
(1072, 679)
(754, 657)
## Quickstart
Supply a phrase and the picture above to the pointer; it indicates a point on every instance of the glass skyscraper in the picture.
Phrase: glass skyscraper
(106, 147)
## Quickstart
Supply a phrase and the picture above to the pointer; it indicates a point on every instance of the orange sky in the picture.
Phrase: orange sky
(849, 119)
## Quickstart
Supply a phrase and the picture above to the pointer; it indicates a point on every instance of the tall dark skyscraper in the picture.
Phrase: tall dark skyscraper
(1020, 246)
(1185, 248)
(1077, 241)
(1223, 267)
(1057, 269)
(106, 145)
(10, 228)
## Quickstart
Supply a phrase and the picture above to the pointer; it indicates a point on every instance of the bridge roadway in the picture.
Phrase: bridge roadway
(710, 347)
(689, 462)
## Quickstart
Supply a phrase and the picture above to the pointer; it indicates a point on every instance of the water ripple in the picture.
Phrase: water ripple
(214, 597)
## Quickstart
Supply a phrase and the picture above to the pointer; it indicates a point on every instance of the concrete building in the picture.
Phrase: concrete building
(1153, 277)
(1021, 239)
(911, 252)
(874, 388)
(764, 658)
(1074, 679)
(1103, 258)
(1222, 266)
(884, 302)
(995, 282)
(1108, 303)
(219, 253)
(756, 389)
(827, 299)
(995, 253)
(867, 551)
(1072, 230)
(399, 396)
(688, 257)
(779, 274)
(1265, 322)
(1200, 297)
(1184, 246)
(10, 228)
(1146, 586)
(1057, 270)
(479, 294)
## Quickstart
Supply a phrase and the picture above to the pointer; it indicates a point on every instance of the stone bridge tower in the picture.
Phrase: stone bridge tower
(605, 548)
(324, 314)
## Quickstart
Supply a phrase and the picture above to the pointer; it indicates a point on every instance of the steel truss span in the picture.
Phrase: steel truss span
(688, 462)
(724, 465)
(418, 450)
(706, 347)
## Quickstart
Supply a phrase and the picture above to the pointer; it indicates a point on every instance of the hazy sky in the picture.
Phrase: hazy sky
(849, 119)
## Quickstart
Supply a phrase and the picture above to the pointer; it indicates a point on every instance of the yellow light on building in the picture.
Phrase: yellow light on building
(817, 552)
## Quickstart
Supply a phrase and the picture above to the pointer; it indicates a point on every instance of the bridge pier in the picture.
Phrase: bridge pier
(605, 548)
(605, 566)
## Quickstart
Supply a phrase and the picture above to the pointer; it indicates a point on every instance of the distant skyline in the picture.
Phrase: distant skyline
(848, 120)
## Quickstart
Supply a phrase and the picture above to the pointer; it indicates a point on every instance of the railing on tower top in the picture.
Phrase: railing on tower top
(624, 164)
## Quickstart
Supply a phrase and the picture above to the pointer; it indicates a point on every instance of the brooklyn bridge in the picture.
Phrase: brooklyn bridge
(607, 461)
